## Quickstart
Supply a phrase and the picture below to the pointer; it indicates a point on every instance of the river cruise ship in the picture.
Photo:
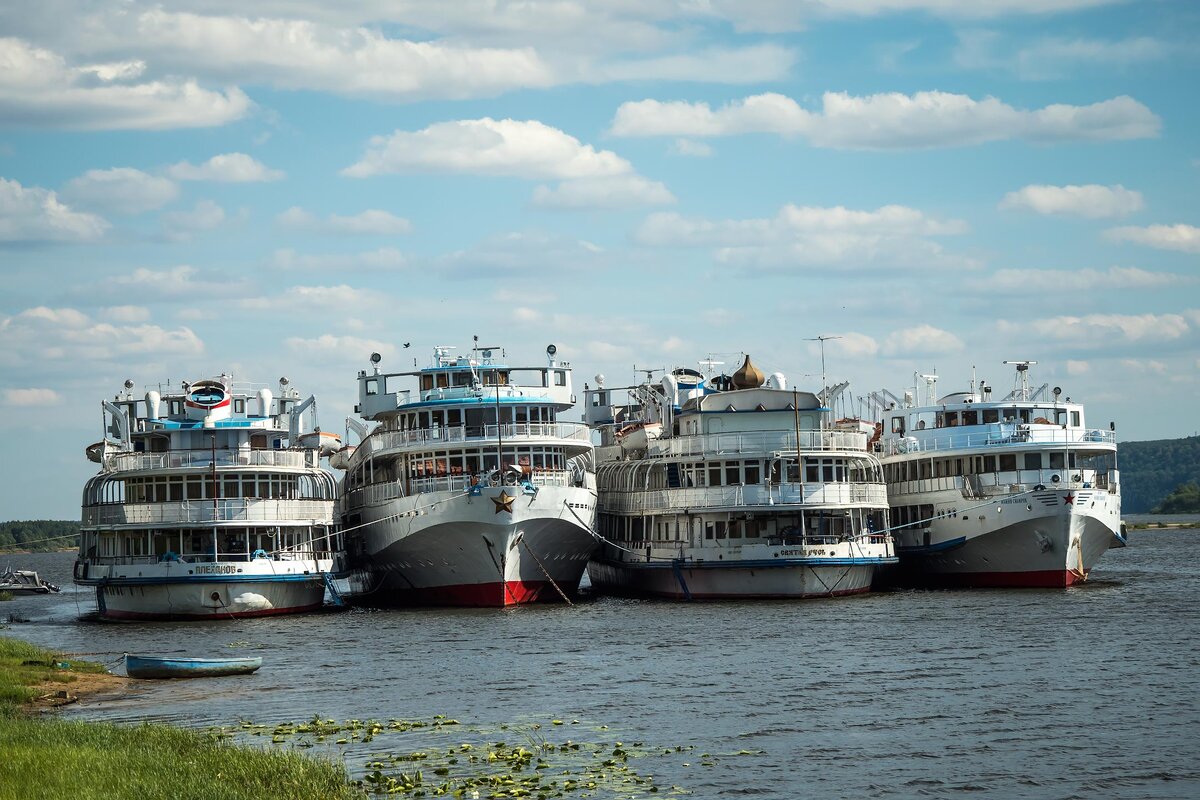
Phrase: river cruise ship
(210, 503)
(732, 487)
(469, 490)
(1018, 491)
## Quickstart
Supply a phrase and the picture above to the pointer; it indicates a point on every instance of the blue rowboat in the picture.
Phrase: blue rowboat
(153, 667)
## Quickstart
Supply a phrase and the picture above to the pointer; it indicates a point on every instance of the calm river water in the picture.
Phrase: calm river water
(1088, 692)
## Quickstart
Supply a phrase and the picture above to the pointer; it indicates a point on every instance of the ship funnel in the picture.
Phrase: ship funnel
(264, 402)
(153, 405)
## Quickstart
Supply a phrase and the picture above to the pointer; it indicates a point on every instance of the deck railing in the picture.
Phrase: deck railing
(382, 492)
(1012, 482)
(999, 435)
(755, 442)
(514, 433)
(759, 495)
(285, 513)
(183, 459)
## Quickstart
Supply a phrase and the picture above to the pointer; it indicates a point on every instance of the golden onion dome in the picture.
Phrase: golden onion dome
(748, 376)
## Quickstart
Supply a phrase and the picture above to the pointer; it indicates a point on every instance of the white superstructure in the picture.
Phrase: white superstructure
(732, 486)
(210, 503)
(1018, 491)
(469, 490)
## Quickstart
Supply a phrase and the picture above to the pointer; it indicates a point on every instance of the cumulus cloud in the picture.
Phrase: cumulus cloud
(357, 61)
(1078, 367)
(385, 258)
(38, 88)
(620, 191)
(31, 397)
(127, 313)
(1091, 201)
(849, 343)
(225, 168)
(180, 283)
(372, 222)
(41, 334)
(181, 225)
(921, 340)
(1184, 238)
(890, 121)
(341, 350)
(800, 236)
(507, 147)
(34, 214)
(1036, 281)
(317, 298)
(1102, 330)
(122, 190)
(688, 147)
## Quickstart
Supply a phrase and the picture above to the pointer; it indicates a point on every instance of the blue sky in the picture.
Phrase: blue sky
(188, 188)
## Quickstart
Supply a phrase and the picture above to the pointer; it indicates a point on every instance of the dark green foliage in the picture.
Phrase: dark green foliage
(30, 535)
(1184, 500)
(1152, 470)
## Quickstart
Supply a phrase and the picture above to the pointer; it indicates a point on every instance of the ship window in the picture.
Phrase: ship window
(735, 529)
(426, 382)
(733, 473)
(560, 377)
(443, 380)
(970, 417)
(372, 387)
(1057, 461)
(991, 415)
(708, 530)
(720, 525)
(461, 379)
(714, 476)
(1060, 417)
(239, 405)
(1033, 461)
(753, 473)
(897, 424)
(1008, 462)
(989, 463)
(1074, 419)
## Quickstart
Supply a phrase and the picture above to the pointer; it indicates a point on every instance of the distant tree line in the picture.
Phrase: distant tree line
(1184, 500)
(31, 535)
(1153, 471)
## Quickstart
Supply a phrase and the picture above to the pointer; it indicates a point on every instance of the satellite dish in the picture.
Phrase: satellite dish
(376, 358)
(600, 380)
(551, 350)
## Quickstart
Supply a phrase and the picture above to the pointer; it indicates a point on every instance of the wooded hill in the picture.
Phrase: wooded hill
(31, 535)
(1153, 471)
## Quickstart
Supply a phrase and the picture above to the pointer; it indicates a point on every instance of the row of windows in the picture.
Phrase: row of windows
(465, 378)
(623, 476)
(442, 463)
(988, 416)
(925, 468)
(474, 419)
(177, 488)
(619, 528)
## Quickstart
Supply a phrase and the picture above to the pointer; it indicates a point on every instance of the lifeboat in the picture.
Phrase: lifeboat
(326, 442)
(340, 459)
(638, 436)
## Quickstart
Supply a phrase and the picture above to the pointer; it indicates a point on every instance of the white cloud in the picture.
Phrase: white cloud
(620, 191)
(890, 121)
(800, 236)
(122, 190)
(1091, 201)
(66, 335)
(523, 149)
(385, 258)
(1184, 238)
(182, 282)
(921, 340)
(127, 313)
(688, 147)
(204, 216)
(1144, 366)
(39, 89)
(225, 168)
(853, 344)
(754, 64)
(1102, 330)
(1036, 281)
(360, 61)
(1078, 367)
(1054, 57)
(341, 350)
(317, 298)
(372, 222)
(31, 397)
(35, 215)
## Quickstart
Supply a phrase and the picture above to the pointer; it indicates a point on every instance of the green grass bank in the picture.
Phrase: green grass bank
(48, 758)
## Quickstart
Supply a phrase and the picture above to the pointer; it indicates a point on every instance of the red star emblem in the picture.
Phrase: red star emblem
(1069, 499)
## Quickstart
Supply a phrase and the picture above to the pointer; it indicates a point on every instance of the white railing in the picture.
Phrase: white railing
(786, 494)
(1003, 434)
(755, 442)
(181, 459)
(381, 493)
(518, 432)
(1012, 482)
(206, 557)
(280, 512)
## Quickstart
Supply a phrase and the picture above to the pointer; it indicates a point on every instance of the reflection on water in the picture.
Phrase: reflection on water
(1085, 692)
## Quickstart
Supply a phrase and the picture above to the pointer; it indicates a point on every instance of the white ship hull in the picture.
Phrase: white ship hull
(499, 547)
(1049, 538)
(748, 571)
(191, 591)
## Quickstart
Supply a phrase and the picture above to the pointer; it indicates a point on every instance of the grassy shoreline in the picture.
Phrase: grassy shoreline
(46, 757)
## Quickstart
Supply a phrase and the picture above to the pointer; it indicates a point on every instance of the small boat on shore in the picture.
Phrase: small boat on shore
(24, 581)
(155, 667)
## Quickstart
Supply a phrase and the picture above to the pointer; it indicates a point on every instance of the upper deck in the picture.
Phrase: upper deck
(464, 381)
(1027, 418)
